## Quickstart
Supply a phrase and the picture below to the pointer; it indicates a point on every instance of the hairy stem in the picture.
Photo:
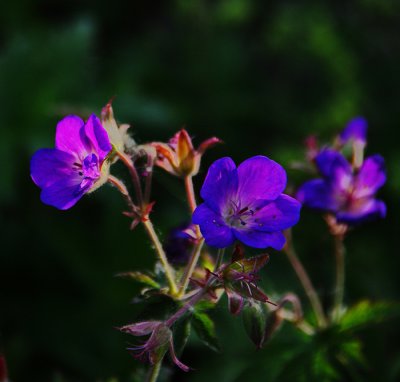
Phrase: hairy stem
(122, 189)
(127, 161)
(148, 225)
(305, 280)
(197, 250)
(340, 275)
(190, 193)
(190, 267)
(188, 305)
(154, 372)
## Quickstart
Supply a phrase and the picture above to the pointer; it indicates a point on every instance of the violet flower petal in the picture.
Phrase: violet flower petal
(216, 233)
(68, 136)
(282, 213)
(259, 239)
(51, 165)
(221, 184)
(371, 176)
(317, 194)
(260, 178)
(362, 211)
(330, 162)
(98, 137)
(64, 193)
(355, 130)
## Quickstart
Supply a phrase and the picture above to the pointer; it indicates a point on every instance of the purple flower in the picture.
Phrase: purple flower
(75, 166)
(355, 130)
(246, 203)
(347, 193)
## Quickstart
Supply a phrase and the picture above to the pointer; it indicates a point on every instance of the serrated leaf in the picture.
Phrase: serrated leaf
(142, 278)
(368, 313)
(205, 329)
(254, 319)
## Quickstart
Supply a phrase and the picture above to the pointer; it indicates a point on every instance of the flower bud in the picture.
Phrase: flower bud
(178, 157)
(254, 322)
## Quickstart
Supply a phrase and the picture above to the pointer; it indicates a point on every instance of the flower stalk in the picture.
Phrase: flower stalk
(169, 273)
(304, 280)
(340, 277)
(154, 372)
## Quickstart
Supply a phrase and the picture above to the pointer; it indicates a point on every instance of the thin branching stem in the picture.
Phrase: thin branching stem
(154, 372)
(127, 161)
(169, 273)
(191, 197)
(190, 267)
(305, 280)
(122, 189)
(340, 276)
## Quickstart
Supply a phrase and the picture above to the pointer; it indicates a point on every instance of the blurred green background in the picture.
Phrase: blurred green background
(259, 75)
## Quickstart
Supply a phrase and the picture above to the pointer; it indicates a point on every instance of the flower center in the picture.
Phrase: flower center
(238, 216)
(88, 170)
(90, 167)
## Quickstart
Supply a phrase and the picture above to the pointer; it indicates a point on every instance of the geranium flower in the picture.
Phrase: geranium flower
(246, 203)
(346, 192)
(76, 166)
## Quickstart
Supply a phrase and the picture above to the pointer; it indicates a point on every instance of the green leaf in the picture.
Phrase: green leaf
(367, 313)
(141, 277)
(323, 368)
(205, 329)
(254, 322)
(351, 351)
(181, 333)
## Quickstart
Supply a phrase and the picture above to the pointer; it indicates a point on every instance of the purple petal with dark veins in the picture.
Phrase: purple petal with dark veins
(220, 185)
(260, 178)
(355, 130)
(362, 210)
(51, 165)
(371, 176)
(64, 193)
(282, 213)
(216, 233)
(259, 239)
(68, 136)
(98, 137)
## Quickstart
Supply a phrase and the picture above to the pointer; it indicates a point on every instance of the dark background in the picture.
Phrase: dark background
(259, 75)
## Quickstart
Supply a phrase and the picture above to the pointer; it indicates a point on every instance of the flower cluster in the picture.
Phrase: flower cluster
(244, 203)
(347, 190)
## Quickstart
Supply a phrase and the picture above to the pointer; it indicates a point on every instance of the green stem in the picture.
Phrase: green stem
(220, 258)
(190, 267)
(154, 372)
(148, 225)
(305, 281)
(340, 275)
